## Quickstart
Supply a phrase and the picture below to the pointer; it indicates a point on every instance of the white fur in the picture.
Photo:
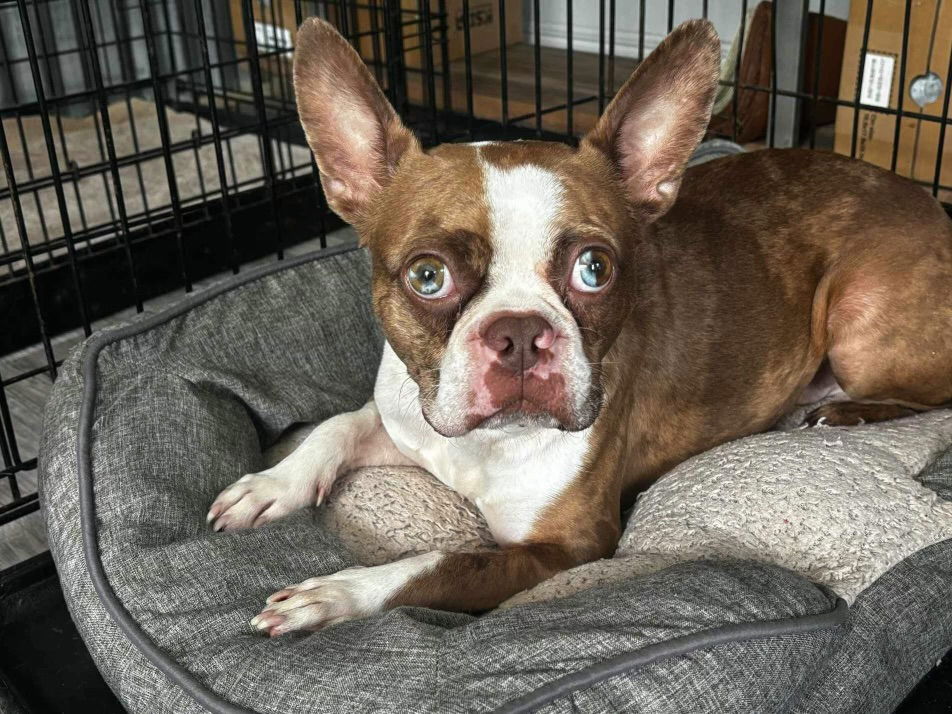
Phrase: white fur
(510, 474)
(355, 592)
(524, 204)
(306, 475)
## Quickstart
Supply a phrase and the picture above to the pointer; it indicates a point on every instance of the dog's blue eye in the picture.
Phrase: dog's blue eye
(592, 270)
(429, 277)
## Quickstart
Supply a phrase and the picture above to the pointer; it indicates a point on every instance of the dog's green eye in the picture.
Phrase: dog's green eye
(429, 277)
(592, 270)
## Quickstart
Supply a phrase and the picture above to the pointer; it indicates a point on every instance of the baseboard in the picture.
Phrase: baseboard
(585, 39)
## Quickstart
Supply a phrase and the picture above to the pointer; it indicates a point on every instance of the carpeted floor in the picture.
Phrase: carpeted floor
(91, 200)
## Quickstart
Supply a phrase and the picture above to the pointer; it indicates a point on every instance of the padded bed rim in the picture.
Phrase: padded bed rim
(212, 701)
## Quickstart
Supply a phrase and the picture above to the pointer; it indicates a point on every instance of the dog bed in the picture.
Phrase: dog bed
(150, 420)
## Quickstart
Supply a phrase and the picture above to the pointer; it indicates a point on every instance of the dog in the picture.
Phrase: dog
(563, 325)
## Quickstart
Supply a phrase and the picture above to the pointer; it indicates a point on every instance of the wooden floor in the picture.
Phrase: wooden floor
(521, 74)
(520, 62)
(26, 537)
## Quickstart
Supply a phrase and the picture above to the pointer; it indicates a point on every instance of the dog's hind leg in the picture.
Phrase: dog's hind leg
(889, 334)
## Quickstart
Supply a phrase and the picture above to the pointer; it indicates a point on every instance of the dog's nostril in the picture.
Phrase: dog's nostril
(518, 340)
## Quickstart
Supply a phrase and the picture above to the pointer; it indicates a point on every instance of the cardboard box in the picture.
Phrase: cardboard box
(927, 62)
(275, 27)
(483, 28)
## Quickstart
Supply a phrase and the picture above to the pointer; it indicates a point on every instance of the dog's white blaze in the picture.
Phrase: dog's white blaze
(524, 204)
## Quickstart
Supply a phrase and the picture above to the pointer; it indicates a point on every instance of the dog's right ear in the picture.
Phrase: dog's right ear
(356, 136)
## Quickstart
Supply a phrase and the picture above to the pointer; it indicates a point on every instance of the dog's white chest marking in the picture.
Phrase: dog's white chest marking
(511, 475)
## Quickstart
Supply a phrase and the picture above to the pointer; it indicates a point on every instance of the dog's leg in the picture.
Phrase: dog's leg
(453, 581)
(890, 335)
(342, 443)
(853, 413)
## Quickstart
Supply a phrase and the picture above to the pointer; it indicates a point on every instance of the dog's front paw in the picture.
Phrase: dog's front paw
(318, 602)
(256, 499)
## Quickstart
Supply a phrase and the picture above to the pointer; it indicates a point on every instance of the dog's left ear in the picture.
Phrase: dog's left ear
(659, 116)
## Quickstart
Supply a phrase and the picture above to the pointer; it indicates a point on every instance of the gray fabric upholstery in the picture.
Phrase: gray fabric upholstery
(183, 405)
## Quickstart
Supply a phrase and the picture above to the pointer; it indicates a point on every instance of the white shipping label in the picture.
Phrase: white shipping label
(877, 79)
(271, 38)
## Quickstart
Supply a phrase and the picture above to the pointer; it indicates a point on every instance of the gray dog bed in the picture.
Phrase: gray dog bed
(149, 421)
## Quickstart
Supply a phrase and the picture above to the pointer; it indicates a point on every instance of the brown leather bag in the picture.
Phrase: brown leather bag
(753, 106)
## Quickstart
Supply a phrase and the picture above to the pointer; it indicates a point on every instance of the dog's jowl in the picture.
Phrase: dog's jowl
(564, 325)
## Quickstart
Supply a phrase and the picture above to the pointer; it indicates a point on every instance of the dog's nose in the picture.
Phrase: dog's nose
(518, 340)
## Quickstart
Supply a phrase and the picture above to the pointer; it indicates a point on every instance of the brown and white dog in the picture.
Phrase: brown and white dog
(561, 331)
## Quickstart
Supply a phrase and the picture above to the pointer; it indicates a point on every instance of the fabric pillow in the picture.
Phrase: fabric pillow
(839, 506)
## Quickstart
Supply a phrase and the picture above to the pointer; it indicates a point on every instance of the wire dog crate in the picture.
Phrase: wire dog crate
(149, 144)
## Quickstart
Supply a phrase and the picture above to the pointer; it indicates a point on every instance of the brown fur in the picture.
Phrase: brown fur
(724, 305)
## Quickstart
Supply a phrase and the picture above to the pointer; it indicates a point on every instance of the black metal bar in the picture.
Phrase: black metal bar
(8, 440)
(216, 134)
(859, 79)
(393, 37)
(551, 109)
(315, 173)
(537, 63)
(19, 508)
(943, 129)
(902, 86)
(18, 469)
(735, 98)
(54, 163)
(27, 253)
(641, 31)
(468, 64)
(670, 16)
(262, 115)
(445, 58)
(772, 128)
(90, 37)
(601, 56)
(569, 72)
(165, 139)
(611, 47)
(817, 61)
(375, 42)
(28, 162)
(427, 54)
(26, 375)
(503, 64)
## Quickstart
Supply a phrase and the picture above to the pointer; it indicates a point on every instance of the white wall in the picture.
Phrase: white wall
(725, 14)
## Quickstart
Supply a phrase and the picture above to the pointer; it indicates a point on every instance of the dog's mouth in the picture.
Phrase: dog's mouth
(520, 413)
(525, 413)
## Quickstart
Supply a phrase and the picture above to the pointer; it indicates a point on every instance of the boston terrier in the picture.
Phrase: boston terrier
(566, 324)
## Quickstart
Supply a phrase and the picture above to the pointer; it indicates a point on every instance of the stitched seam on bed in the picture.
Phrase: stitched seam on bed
(206, 697)
(677, 647)
(201, 694)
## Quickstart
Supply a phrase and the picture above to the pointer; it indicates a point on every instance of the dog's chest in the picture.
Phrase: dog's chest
(511, 476)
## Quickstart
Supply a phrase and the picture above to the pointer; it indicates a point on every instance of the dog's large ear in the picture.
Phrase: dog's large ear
(356, 136)
(659, 116)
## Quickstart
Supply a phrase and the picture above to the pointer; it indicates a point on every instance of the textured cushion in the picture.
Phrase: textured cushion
(148, 422)
(840, 506)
